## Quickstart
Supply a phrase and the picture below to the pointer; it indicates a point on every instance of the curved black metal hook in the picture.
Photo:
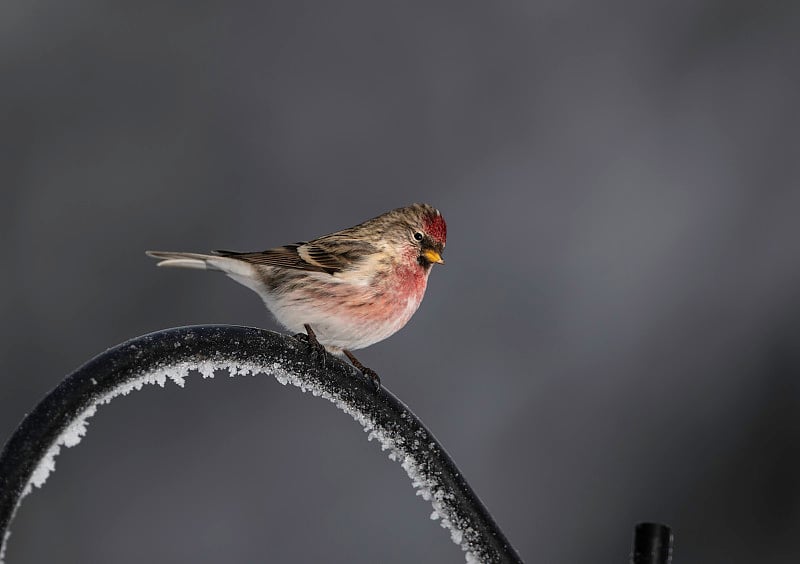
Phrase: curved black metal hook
(59, 419)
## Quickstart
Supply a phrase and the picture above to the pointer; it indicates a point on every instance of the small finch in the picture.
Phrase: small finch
(349, 289)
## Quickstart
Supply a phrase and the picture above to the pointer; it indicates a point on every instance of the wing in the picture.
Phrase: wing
(329, 254)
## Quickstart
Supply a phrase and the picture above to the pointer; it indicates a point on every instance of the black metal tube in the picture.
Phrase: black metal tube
(652, 544)
(432, 470)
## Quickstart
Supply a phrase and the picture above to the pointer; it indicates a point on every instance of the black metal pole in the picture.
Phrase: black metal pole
(652, 544)
(56, 420)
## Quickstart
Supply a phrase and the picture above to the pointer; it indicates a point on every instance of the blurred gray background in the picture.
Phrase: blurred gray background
(614, 338)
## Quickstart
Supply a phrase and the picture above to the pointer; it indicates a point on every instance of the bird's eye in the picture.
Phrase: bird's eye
(418, 236)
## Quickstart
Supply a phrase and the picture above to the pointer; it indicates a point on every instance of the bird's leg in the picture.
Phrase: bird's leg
(368, 372)
(317, 350)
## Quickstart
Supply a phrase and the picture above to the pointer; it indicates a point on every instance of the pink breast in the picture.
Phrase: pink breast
(395, 300)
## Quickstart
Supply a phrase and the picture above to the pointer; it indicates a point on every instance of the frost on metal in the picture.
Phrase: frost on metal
(423, 482)
(76, 430)
(170, 356)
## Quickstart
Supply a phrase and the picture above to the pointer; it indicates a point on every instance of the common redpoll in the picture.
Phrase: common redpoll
(349, 289)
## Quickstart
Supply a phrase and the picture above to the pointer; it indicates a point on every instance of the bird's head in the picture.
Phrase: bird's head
(428, 233)
(417, 233)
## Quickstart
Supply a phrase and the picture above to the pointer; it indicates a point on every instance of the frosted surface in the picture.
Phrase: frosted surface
(426, 487)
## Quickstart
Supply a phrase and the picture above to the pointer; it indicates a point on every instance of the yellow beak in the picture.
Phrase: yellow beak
(433, 256)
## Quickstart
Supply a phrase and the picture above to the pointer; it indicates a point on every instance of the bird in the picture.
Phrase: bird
(343, 291)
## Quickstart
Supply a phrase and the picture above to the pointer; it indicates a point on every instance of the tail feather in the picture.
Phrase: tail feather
(182, 260)
(199, 261)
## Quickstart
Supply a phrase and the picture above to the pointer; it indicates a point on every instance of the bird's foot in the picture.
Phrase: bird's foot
(368, 372)
(372, 375)
(316, 350)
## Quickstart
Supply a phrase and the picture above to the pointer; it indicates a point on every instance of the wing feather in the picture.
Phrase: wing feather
(329, 254)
